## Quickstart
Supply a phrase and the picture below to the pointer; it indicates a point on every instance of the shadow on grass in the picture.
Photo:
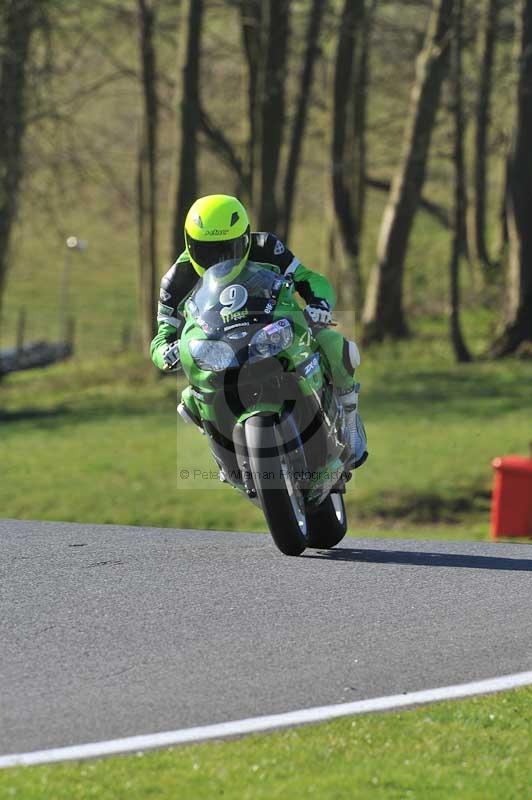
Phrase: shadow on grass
(429, 507)
(418, 559)
(481, 392)
(63, 416)
(433, 393)
(32, 414)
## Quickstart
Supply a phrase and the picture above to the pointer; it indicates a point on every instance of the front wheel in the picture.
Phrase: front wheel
(327, 524)
(281, 501)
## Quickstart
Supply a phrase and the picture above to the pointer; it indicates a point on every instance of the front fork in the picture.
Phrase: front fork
(309, 445)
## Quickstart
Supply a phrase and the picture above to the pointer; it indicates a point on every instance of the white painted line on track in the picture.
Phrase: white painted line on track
(240, 727)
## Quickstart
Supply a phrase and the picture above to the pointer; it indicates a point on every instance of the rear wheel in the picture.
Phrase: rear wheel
(282, 503)
(327, 524)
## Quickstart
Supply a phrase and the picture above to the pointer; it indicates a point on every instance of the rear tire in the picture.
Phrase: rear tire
(279, 497)
(327, 524)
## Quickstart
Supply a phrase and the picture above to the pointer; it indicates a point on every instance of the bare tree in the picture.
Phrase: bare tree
(147, 188)
(460, 197)
(360, 106)
(265, 34)
(271, 92)
(189, 118)
(483, 108)
(344, 167)
(383, 310)
(251, 16)
(303, 101)
(17, 22)
(219, 144)
(437, 212)
(518, 325)
(502, 219)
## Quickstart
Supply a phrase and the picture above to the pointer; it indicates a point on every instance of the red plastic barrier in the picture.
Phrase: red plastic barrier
(511, 508)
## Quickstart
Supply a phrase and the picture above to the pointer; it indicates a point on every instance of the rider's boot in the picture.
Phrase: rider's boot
(355, 428)
(187, 410)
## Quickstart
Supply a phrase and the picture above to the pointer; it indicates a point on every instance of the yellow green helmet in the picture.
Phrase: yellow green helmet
(217, 232)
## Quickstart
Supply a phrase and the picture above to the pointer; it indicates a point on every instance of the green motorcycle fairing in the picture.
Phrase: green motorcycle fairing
(233, 375)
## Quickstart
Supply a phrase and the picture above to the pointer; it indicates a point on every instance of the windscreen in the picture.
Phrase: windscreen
(251, 298)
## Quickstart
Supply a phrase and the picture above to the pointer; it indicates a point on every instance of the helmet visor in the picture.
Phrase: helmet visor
(207, 254)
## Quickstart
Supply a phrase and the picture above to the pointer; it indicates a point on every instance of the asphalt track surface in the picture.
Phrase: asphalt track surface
(108, 632)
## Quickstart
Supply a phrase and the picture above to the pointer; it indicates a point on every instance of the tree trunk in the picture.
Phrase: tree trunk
(383, 311)
(488, 42)
(147, 173)
(460, 199)
(360, 105)
(18, 19)
(518, 325)
(502, 226)
(272, 110)
(344, 155)
(298, 130)
(253, 41)
(189, 119)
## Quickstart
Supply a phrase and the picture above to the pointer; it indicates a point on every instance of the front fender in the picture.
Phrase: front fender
(260, 408)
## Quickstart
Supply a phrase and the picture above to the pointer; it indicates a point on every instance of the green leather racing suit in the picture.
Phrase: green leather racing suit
(268, 251)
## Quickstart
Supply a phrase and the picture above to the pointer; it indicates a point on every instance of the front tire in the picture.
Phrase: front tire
(282, 504)
(327, 524)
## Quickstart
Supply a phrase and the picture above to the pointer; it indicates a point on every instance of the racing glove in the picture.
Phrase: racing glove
(171, 358)
(318, 313)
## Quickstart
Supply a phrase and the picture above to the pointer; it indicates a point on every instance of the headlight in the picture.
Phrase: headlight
(211, 355)
(271, 340)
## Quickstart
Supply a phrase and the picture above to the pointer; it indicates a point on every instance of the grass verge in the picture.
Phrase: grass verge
(96, 441)
(476, 749)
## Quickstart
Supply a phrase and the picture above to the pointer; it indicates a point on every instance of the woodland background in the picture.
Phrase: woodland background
(389, 143)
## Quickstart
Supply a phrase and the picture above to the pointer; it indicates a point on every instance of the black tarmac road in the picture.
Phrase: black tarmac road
(107, 632)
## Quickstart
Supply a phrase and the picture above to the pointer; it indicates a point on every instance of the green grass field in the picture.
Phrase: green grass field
(476, 749)
(98, 441)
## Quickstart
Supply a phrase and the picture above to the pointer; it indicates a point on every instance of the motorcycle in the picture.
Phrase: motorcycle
(260, 390)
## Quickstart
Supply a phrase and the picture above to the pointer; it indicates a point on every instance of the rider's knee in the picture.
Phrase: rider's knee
(350, 356)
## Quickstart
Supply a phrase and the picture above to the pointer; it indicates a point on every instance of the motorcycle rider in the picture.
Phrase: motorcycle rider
(217, 229)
